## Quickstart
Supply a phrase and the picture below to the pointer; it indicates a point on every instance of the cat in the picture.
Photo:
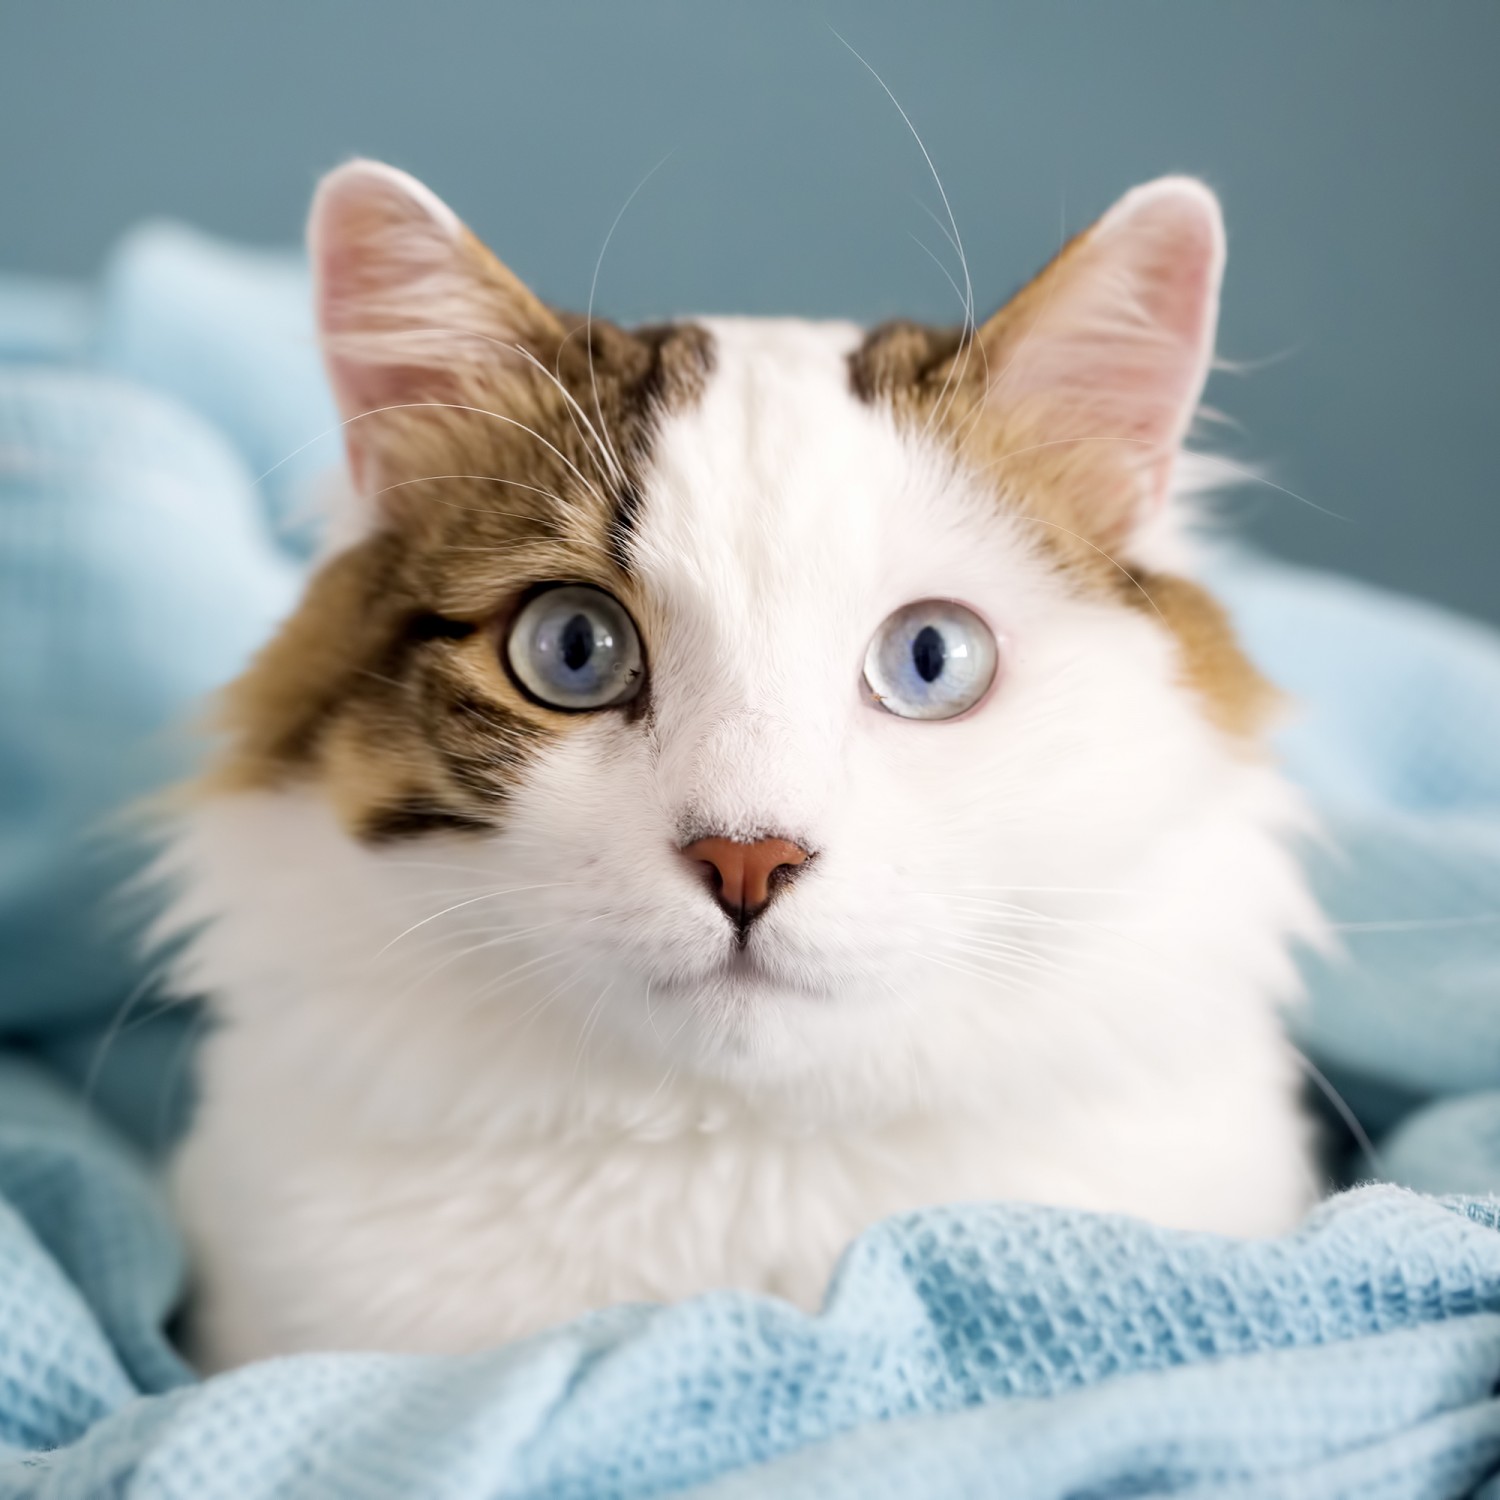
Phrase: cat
(735, 780)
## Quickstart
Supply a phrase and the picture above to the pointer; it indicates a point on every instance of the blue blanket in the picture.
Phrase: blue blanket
(158, 438)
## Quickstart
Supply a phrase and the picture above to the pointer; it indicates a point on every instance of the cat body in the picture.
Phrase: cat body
(535, 994)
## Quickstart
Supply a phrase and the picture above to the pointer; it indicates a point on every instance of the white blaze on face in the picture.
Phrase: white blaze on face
(760, 547)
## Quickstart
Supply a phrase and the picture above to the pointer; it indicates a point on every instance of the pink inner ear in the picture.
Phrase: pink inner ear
(1174, 241)
(396, 290)
(1122, 339)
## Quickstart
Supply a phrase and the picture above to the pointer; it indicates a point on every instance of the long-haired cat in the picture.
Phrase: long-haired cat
(738, 779)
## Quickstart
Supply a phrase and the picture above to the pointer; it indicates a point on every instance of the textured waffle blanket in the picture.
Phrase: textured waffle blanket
(985, 1350)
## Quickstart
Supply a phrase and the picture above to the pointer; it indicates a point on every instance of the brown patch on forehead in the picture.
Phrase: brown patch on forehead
(937, 381)
(897, 361)
(386, 686)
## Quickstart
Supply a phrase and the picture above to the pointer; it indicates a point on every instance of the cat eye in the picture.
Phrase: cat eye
(573, 647)
(931, 660)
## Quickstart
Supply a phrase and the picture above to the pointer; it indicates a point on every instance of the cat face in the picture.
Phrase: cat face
(750, 691)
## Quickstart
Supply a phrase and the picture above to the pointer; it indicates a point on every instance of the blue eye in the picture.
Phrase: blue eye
(574, 647)
(931, 660)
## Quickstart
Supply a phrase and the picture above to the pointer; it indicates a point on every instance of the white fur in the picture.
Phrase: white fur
(462, 1089)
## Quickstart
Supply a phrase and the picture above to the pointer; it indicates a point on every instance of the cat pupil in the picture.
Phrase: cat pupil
(928, 653)
(577, 642)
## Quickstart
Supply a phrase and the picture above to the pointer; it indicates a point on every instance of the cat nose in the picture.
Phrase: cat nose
(742, 873)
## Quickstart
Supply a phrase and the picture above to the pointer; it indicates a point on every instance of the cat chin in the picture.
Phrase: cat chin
(747, 978)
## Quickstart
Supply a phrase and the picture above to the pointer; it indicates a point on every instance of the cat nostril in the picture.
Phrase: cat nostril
(741, 874)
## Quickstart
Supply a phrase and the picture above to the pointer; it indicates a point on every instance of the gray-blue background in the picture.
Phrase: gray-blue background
(1356, 146)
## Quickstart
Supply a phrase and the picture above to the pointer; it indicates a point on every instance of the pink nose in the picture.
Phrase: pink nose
(742, 873)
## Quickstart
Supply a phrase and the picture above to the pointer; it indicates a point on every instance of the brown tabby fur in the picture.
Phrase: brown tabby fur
(387, 683)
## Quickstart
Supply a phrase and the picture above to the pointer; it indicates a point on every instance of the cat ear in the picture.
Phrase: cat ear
(1110, 346)
(410, 306)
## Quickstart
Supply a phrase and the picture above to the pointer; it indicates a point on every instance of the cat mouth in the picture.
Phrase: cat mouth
(744, 966)
(738, 972)
(742, 972)
(739, 968)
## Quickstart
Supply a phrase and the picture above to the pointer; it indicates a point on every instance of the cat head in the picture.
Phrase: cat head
(744, 689)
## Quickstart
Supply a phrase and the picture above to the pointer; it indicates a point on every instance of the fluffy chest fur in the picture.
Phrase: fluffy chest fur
(497, 1043)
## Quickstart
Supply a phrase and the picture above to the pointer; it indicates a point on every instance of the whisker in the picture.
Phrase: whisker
(592, 441)
(991, 380)
(483, 411)
(517, 515)
(484, 896)
(532, 1013)
(479, 411)
(1345, 1113)
(593, 289)
(1059, 890)
(946, 233)
(595, 448)
(968, 293)
(972, 972)
(1419, 924)
(177, 1064)
(111, 1034)
(1112, 561)
(498, 984)
(1241, 471)
(581, 544)
(1008, 957)
(927, 249)
(651, 1014)
(586, 1031)
(504, 939)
